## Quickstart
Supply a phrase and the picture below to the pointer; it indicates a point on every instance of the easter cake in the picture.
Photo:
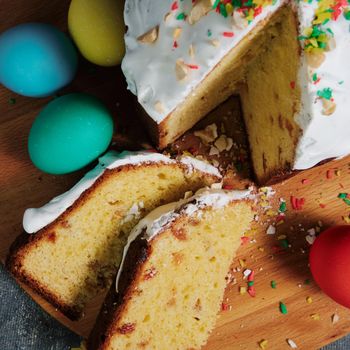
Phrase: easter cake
(286, 59)
(170, 286)
(73, 244)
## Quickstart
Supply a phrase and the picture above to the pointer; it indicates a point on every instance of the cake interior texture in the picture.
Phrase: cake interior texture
(73, 259)
(263, 70)
(176, 292)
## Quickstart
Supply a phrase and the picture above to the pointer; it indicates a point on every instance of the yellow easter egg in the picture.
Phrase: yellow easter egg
(97, 28)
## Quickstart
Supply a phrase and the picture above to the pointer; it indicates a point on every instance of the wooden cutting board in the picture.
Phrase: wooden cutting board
(246, 320)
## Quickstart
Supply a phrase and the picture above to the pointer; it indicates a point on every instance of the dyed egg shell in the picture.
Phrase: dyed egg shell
(330, 263)
(69, 133)
(97, 27)
(36, 59)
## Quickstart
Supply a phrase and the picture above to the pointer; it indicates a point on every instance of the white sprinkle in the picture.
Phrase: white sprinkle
(292, 344)
(247, 272)
(311, 232)
(335, 318)
(271, 230)
(310, 239)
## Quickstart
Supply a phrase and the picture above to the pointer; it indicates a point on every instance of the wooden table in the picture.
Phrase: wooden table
(247, 320)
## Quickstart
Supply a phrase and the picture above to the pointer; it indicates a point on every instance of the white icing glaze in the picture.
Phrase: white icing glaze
(35, 219)
(196, 164)
(150, 69)
(325, 136)
(160, 218)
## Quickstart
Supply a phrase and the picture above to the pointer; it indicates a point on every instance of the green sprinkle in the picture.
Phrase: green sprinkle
(307, 281)
(181, 16)
(283, 308)
(283, 207)
(273, 284)
(347, 14)
(250, 283)
(342, 195)
(209, 33)
(326, 93)
(347, 201)
(12, 101)
(284, 243)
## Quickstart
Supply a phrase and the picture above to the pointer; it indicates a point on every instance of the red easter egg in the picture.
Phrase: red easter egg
(330, 263)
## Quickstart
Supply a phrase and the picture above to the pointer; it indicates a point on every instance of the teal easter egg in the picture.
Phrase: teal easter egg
(69, 133)
(36, 59)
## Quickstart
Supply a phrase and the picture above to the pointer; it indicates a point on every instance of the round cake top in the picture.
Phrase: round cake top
(171, 46)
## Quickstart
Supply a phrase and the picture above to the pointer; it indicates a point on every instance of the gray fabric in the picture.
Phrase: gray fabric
(25, 326)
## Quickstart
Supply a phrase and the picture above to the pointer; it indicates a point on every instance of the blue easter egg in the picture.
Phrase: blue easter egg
(36, 59)
(69, 133)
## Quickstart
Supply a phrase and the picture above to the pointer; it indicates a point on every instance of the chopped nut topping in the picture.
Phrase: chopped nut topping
(158, 106)
(223, 143)
(181, 70)
(315, 60)
(191, 51)
(200, 9)
(239, 20)
(328, 107)
(215, 42)
(209, 134)
(167, 17)
(177, 32)
(213, 151)
(331, 44)
(149, 37)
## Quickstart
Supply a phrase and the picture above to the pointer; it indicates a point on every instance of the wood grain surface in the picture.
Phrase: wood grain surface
(247, 320)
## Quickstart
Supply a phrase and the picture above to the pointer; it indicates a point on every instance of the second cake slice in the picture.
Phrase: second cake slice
(172, 279)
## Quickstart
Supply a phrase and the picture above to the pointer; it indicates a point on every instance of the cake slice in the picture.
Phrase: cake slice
(80, 235)
(172, 278)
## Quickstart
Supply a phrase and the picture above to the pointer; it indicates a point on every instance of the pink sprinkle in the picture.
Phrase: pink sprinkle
(305, 181)
(292, 84)
(174, 6)
(251, 291)
(175, 45)
(322, 205)
(329, 174)
(225, 307)
(244, 240)
(193, 66)
(228, 34)
(251, 276)
(297, 203)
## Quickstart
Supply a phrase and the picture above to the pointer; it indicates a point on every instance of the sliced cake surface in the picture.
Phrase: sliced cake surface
(289, 57)
(171, 282)
(77, 239)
